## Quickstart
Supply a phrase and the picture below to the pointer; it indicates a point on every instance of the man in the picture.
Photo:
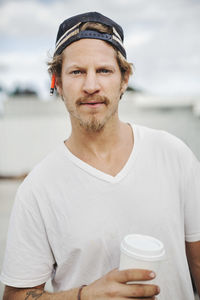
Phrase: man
(108, 179)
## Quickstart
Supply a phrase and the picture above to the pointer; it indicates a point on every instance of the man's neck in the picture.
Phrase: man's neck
(107, 150)
(83, 140)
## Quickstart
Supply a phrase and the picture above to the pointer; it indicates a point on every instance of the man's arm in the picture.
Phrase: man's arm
(37, 293)
(193, 256)
(111, 286)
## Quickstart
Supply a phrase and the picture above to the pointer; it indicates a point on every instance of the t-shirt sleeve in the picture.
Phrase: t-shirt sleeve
(192, 201)
(28, 258)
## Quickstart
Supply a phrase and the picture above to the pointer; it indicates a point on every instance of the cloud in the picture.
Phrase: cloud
(161, 37)
(26, 18)
(137, 39)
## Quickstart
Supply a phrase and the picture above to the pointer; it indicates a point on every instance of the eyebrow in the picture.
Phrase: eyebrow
(73, 66)
(101, 66)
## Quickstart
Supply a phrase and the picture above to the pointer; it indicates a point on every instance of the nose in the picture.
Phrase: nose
(91, 84)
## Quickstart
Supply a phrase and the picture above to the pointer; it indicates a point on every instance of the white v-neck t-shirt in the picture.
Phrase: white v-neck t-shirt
(69, 218)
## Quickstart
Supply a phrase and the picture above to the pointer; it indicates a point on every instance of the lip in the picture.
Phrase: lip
(92, 103)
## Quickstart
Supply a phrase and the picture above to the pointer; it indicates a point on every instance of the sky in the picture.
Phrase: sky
(161, 39)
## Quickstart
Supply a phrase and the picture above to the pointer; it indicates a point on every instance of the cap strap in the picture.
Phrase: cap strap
(90, 34)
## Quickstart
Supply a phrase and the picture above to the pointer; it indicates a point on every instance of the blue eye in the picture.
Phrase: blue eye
(104, 71)
(76, 72)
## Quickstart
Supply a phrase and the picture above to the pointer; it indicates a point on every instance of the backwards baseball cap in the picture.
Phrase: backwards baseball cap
(69, 32)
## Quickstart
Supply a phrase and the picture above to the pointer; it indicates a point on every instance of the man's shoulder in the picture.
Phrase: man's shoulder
(160, 135)
(48, 168)
(161, 140)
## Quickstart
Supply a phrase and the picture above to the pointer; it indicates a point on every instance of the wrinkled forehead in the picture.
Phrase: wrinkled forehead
(90, 52)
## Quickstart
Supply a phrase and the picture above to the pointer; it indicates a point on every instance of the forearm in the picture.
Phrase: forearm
(193, 256)
(195, 270)
(40, 294)
(112, 285)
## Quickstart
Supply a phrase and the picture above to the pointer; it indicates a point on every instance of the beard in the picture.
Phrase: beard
(92, 123)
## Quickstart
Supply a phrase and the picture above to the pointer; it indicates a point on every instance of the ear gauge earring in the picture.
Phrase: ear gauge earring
(121, 95)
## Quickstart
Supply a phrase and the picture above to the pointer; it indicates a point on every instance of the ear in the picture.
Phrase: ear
(124, 83)
(59, 86)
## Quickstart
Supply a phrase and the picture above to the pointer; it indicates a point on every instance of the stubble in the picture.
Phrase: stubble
(92, 123)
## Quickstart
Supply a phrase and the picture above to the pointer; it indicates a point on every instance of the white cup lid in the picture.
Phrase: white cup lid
(143, 247)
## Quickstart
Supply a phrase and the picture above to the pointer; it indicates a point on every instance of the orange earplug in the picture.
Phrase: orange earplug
(53, 80)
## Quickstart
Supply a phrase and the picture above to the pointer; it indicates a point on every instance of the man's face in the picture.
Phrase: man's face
(91, 83)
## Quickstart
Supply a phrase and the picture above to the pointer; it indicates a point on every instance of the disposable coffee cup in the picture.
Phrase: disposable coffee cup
(141, 252)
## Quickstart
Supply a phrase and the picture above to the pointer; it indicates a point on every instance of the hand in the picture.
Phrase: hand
(114, 286)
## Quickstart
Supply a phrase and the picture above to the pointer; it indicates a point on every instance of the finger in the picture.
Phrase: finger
(138, 290)
(134, 275)
(152, 298)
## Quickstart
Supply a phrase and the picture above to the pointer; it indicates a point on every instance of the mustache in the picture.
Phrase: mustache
(96, 98)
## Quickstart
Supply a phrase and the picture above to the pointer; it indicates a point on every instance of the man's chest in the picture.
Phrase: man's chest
(89, 218)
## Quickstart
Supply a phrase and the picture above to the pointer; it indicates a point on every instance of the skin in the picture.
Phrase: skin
(193, 256)
(95, 80)
(111, 286)
(91, 88)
